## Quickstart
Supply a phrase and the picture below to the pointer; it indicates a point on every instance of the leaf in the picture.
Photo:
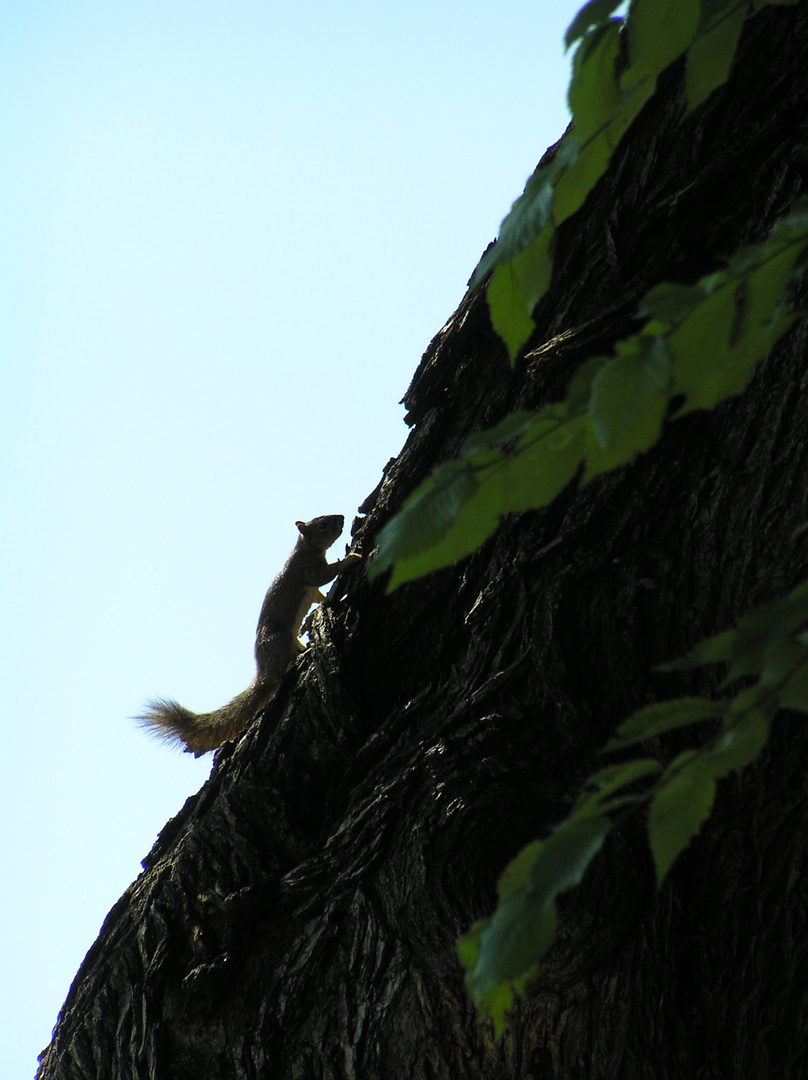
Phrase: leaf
(497, 999)
(562, 859)
(794, 224)
(746, 646)
(475, 519)
(710, 56)
(758, 629)
(703, 364)
(786, 667)
(663, 716)
(425, 517)
(513, 425)
(762, 323)
(593, 95)
(590, 15)
(678, 810)
(530, 212)
(669, 303)
(468, 946)
(716, 346)
(580, 388)
(629, 396)
(710, 651)
(508, 306)
(683, 800)
(712, 10)
(614, 777)
(576, 183)
(739, 745)
(517, 286)
(503, 954)
(794, 694)
(659, 31)
(519, 934)
(456, 509)
(533, 268)
(628, 404)
(545, 462)
(516, 874)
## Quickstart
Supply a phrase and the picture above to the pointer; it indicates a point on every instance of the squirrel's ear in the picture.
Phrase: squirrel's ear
(302, 528)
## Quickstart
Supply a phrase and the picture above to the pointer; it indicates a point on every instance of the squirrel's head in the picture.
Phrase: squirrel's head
(321, 532)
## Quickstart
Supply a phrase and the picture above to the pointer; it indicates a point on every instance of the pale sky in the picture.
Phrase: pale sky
(228, 233)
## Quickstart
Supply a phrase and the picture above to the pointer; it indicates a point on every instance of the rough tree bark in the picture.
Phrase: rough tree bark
(298, 917)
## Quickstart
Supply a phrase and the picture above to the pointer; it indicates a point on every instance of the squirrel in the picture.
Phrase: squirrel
(288, 599)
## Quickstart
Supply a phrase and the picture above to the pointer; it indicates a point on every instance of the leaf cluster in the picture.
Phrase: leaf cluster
(502, 954)
(698, 346)
(615, 68)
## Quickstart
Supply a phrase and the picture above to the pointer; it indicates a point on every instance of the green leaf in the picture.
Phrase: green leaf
(712, 650)
(517, 286)
(704, 367)
(763, 318)
(516, 874)
(534, 267)
(710, 56)
(628, 404)
(712, 10)
(602, 111)
(460, 505)
(786, 666)
(497, 999)
(496, 1002)
(546, 461)
(746, 646)
(518, 935)
(591, 15)
(474, 520)
(503, 954)
(716, 347)
(615, 777)
(679, 808)
(794, 224)
(794, 694)
(659, 31)
(758, 629)
(508, 306)
(582, 175)
(629, 396)
(468, 946)
(562, 859)
(513, 425)
(579, 391)
(594, 96)
(739, 744)
(669, 304)
(425, 517)
(661, 717)
(530, 212)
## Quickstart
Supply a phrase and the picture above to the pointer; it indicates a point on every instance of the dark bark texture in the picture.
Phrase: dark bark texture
(298, 917)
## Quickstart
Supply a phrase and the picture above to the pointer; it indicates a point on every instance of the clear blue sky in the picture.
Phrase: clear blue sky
(228, 233)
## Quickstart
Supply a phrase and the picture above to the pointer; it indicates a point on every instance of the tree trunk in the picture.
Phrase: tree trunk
(298, 917)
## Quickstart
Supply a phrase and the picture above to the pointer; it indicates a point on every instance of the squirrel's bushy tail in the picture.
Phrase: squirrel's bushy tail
(201, 732)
